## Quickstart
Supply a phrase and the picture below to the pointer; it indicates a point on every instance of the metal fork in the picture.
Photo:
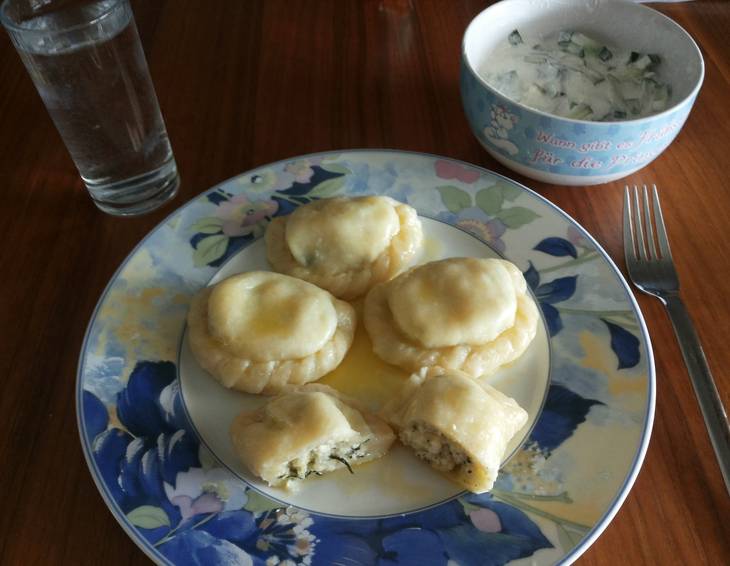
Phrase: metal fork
(651, 268)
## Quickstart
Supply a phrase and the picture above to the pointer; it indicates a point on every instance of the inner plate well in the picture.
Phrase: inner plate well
(399, 482)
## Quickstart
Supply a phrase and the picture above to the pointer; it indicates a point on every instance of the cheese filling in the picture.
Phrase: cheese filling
(326, 458)
(346, 233)
(268, 316)
(434, 448)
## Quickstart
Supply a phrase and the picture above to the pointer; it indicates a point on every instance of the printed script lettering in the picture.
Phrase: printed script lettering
(542, 156)
(549, 139)
(546, 155)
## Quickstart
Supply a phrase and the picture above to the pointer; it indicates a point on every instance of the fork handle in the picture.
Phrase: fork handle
(704, 386)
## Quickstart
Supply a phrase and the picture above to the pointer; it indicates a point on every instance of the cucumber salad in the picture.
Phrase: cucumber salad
(574, 76)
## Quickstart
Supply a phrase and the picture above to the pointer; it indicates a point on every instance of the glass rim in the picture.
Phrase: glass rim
(10, 25)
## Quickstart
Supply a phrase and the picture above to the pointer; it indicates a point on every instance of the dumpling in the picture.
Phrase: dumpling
(345, 245)
(260, 331)
(308, 430)
(460, 313)
(459, 425)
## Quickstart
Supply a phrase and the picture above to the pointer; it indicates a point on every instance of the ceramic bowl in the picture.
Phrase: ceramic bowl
(577, 152)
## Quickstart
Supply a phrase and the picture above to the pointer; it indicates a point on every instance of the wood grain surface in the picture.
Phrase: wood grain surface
(242, 84)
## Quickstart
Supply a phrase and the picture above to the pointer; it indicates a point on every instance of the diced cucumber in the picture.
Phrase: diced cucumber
(548, 72)
(632, 89)
(574, 49)
(627, 74)
(580, 112)
(642, 62)
(571, 74)
(564, 37)
(661, 97)
(633, 105)
(584, 41)
(515, 38)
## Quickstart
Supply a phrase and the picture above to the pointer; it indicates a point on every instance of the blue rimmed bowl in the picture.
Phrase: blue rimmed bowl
(577, 152)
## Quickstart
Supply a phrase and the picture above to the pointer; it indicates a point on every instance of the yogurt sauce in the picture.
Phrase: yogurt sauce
(571, 75)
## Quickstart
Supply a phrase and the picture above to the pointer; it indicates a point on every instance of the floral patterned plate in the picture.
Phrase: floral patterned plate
(399, 483)
(181, 505)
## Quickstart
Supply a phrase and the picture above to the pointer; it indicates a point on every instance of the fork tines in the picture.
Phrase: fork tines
(641, 234)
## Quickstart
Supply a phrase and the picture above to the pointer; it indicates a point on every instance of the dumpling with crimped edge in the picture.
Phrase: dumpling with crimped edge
(260, 331)
(311, 429)
(458, 425)
(345, 244)
(461, 313)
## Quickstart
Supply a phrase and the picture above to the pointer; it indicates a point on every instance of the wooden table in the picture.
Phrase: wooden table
(246, 83)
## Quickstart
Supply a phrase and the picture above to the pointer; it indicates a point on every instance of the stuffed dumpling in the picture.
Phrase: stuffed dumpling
(459, 313)
(310, 429)
(260, 331)
(345, 245)
(458, 425)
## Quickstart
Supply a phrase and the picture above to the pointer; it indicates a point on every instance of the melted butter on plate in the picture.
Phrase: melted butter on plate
(364, 376)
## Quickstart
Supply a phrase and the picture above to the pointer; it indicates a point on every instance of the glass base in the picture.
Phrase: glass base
(137, 195)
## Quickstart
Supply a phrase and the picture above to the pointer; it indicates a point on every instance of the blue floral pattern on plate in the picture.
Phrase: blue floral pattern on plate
(182, 507)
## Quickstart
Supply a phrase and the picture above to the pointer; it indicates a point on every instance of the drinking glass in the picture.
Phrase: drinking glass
(88, 66)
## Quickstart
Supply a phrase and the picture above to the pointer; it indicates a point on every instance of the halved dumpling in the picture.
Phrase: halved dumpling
(460, 313)
(345, 245)
(310, 429)
(260, 331)
(458, 425)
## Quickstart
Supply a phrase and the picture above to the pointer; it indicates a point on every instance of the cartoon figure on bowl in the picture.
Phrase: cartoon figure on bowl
(498, 130)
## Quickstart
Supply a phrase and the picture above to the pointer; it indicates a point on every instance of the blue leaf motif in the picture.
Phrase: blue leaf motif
(172, 407)
(285, 206)
(345, 541)
(624, 344)
(532, 277)
(558, 247)
(342, 549)
(131, 468)
(109, 449)
(548, 293)
(178, 453)
(516, 522)
(564, 410)
(216, 197)
(467, 545)
(234, 526)
(413, 546)
(149, 477)
(299, 192)
(434, 536)
(441, 517)
(552, 318)
(557, 290)
(199, 548)
(96, 417)
(366, 528)
(172, 454)
(138, 406)
(147, 463)
(518, 537)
